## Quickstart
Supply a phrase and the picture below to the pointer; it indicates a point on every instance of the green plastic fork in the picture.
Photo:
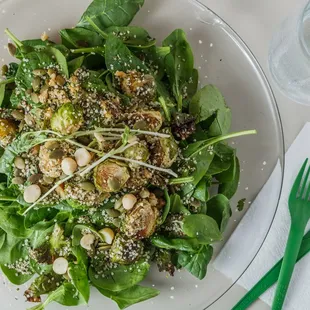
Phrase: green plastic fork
(299, 207)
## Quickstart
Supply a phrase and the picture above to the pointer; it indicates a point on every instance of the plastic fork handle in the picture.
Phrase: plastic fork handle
(287, 268)
(270, 278)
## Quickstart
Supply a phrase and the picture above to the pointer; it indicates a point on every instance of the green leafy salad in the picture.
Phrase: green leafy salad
(108, 154)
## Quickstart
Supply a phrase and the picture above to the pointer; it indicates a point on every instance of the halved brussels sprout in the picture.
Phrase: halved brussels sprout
(141, 221)
(137, 85)
(125, 251)
(138, 152)
(165, 152)
(8, 131)
(146, 120)
(67, 119)
(111, 176)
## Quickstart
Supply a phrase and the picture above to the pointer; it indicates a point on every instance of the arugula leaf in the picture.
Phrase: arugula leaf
(188, 245)
(131, 296)
(230, 187)
(207, 103)
(179, 64)
(202, 227)
(177, 206)
(119, 278)
(218, 208)
(120, 58)
(80, 37)
(109, 13)
(196, 263)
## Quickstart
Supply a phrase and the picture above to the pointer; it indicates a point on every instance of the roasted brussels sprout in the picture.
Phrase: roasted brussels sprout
(67, 119)
(173, 226)
(141, 221)
(8, 130)
(138, 152)
(125, 250)
(137, 85)
(145, 120)
(139, 177)
(165, 152)
(111, 176)
(111, 110)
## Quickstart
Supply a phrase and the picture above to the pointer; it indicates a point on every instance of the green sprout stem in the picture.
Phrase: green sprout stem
(165, 108)
(8, 81)
(13, 38)
(168, 171)
(222, 138)
(181, 180)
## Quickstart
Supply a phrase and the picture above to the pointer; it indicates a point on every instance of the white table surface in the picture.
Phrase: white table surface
(255, 21)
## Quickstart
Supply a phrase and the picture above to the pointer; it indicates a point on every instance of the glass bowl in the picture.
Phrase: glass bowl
(223, 59)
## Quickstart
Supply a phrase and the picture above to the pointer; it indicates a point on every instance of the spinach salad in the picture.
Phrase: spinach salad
(108, 154)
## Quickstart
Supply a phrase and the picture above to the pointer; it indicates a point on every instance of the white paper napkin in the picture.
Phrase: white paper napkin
(298, 297)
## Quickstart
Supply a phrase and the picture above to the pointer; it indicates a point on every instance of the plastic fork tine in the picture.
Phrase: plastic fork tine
(297, 183)
(304, 184)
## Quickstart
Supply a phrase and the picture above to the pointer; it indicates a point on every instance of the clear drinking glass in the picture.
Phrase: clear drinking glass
(289, 55)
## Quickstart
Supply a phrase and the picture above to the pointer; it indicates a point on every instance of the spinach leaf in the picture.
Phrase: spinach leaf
(154, 58)
(196, 263)
(15, 277)
(38, 60)
(75, 64)
(13, 223)
(133, 36)
(80, 37)
(179, 64)
(177, 206)
(201, 191)
(202, 227)
(190, 88)
(166, 208)
(130, 296)
(120, 58)
(21, 144)
(210, 103)
(223, 157)
(66, 295)
(218, 208)
(61, 60)
(109, 13)
(230, 185)
(188, 245)
(202, 161)
(79, 278)
(94, 82)
(119, 278)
